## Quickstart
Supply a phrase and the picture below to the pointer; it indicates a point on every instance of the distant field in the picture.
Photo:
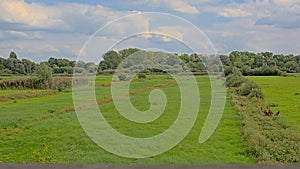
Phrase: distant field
(45, 129)
(284, 94)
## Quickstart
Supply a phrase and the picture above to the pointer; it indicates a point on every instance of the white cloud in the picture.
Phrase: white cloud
(168, 33)
(63, 16)
(61, 29)
(17, 11)
(181, 6)
(285, 2)
(234, 12)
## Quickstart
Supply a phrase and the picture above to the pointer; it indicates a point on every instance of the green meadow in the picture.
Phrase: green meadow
(282, 94)
(45, 128)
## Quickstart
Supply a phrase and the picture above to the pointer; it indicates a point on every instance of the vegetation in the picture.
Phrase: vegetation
(253, 64)
(267, 138)
(51, 133)
(141, 75)
(243, 86)
(281, 95)
(265, 63)
(43, 72)
(122, 77)
(260, 125)
(14, 66)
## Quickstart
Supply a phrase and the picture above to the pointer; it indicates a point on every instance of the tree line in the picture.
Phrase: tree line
(14, 66)
(249, 63)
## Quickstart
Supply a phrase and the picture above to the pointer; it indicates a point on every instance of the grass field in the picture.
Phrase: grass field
(45, 129)
(283, 93)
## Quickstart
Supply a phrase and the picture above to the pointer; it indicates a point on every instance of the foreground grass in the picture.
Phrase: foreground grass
(60, 138)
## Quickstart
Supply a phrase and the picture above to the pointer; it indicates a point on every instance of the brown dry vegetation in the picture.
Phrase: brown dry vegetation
(30, 94)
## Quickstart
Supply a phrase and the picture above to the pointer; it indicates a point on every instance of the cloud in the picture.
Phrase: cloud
(60, 29)
(285, 2)
(17, 11)
(72, 17)
(231, 12)
(167, 33)
(182, 6)
(283, 21)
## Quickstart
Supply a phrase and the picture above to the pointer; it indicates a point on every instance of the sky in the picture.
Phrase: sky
(85, 29)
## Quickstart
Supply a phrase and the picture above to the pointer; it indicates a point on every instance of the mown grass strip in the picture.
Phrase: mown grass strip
(26, 95)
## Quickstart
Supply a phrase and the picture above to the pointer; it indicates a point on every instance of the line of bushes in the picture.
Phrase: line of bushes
(57, 83)
(243, 86)
(262, 71)
(267, 138)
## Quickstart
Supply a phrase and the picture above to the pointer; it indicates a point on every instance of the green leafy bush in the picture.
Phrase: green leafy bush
(234, 81)
(141, 76)
(256, 93)
(122, 77)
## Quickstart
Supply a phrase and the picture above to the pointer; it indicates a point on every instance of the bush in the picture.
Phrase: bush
(251, 89)
(141, 76)
(256, 93)
(122, 77)
(234, 81)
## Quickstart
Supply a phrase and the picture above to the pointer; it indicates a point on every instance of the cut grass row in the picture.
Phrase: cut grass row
(14, 96)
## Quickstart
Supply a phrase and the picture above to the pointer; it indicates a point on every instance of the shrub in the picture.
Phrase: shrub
(247, 87)
(234, 81)
(251, 89)
(141, 76)
(122, 77)
(256, 93)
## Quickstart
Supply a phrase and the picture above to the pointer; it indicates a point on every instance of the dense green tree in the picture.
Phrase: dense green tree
(13, 55)
(291, 67)
(127, 52)
(28, 66)
(111, 59)
(43, 71)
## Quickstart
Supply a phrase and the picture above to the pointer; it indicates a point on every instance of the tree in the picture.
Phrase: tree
(43, 71)
(127, 52)
(13, 55)
(112, 59)
(291, 67)
(28, 65)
